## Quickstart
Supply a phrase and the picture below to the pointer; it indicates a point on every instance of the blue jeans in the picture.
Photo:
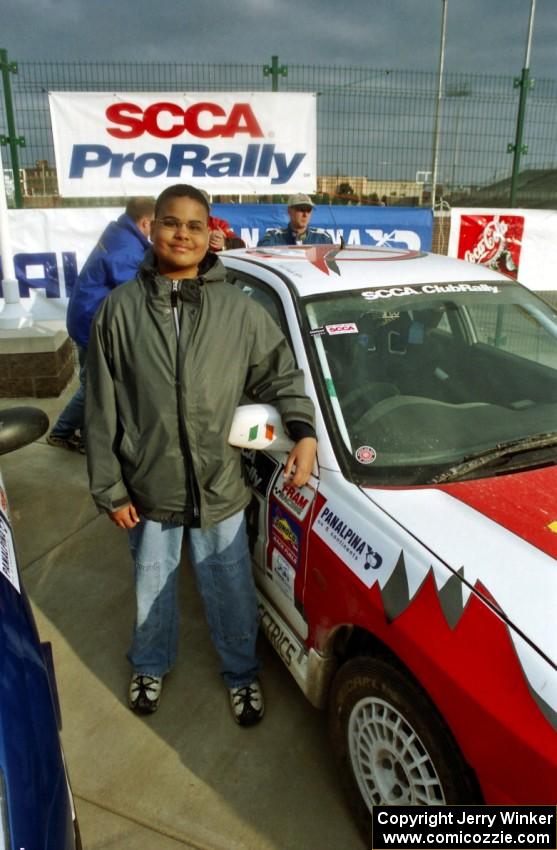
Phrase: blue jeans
(222, 566)
(72, 417)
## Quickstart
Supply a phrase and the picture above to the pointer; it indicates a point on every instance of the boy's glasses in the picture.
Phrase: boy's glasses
(170, 223)
(303, 209)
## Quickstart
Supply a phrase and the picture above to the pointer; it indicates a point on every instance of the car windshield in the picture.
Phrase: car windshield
(416, 380)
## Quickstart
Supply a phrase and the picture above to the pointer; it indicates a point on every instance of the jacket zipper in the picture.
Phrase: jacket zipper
(189, 459)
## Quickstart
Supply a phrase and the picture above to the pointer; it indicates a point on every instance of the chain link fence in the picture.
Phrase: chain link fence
(375, 127)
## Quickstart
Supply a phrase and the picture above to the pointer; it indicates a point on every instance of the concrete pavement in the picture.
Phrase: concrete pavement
(187, 776)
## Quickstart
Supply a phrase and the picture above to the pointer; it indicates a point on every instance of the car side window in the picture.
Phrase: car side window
(264, 296)
(513, 330)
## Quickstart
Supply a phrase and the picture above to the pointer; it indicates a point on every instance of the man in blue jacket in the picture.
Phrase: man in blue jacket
(114, 260)
(297, 231)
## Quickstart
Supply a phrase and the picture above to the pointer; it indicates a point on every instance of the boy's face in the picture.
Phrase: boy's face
(180, 236)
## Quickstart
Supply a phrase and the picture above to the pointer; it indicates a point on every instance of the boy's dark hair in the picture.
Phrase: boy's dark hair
(140, 207)
(181, 190)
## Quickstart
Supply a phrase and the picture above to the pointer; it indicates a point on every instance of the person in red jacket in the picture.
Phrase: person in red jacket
(221, 235)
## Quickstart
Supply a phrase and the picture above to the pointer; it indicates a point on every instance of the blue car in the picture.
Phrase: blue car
(36, 806)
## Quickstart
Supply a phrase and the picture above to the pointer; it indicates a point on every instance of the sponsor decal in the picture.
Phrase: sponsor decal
(324, 257)
(260, 469)
(394, 239)
(253, 433)
(317, 331)
(8, 565)
(365, 454)
(286, 534)
(320, 256)
(389, 316)
(553, 526)
(344, 537)
(283, 575)
(346, 328)
(429, 289)
(278, 636)
(331, 389)
(296, 499)
(494, 241)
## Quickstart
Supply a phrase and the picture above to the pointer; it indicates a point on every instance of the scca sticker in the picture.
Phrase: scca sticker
(343, 328)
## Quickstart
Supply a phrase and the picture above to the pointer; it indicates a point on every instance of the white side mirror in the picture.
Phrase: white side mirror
(259, 426)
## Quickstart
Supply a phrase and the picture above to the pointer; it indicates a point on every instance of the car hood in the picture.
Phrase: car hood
(500, 535)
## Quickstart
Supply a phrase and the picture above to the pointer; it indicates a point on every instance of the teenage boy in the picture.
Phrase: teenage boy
(171, 355)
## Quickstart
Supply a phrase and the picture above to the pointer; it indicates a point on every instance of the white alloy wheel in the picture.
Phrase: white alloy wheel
(391, 745)
(390, 763)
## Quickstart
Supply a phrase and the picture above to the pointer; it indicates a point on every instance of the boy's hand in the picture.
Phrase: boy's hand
(126, 517)
(302, 457)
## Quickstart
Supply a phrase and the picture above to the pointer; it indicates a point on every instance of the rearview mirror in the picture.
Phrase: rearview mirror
(259, 426)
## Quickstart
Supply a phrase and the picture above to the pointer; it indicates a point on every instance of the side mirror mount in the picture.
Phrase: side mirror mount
(259, 426)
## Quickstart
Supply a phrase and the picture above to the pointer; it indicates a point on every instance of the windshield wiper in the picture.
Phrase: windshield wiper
(495, 453)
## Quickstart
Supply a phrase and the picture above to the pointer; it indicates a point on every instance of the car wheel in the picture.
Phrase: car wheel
(390, 743)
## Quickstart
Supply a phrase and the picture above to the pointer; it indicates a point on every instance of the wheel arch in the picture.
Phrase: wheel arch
(347, 642)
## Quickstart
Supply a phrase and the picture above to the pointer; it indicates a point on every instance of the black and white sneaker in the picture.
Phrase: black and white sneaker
(144, 693)
(247, 703)
(74, 443)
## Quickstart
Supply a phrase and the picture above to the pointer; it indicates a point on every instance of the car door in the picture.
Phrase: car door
(280, 515)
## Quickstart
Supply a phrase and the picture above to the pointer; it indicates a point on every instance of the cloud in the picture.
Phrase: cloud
(399, 34)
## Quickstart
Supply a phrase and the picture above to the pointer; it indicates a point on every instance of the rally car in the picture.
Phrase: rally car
(36, 805)
(411, 586)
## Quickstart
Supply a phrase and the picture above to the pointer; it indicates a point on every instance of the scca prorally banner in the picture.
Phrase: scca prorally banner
(520, 243)
(227, 143)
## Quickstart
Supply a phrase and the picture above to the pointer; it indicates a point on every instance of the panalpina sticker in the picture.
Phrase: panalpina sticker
(494, 241)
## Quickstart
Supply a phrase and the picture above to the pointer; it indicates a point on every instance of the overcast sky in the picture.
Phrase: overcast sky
(483, 36)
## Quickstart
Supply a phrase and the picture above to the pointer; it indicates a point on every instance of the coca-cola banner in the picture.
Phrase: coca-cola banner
(521, 244)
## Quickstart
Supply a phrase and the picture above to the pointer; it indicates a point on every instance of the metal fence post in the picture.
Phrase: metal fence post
(274, 70)
(11, 139)
(437, 124)
(525, 83)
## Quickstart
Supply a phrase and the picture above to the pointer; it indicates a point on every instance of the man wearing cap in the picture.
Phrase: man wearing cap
(298, 231)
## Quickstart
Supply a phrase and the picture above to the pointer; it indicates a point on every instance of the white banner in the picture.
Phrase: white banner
(226, 143)
(521, 243)
(50, 246)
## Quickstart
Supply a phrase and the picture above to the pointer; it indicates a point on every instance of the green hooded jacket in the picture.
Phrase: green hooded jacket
(159, 407)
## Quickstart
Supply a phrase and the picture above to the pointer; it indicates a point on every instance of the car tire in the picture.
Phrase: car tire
(390, 743)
